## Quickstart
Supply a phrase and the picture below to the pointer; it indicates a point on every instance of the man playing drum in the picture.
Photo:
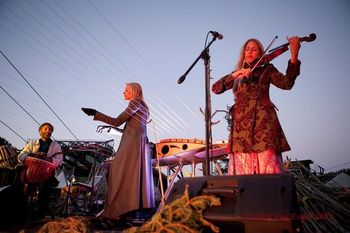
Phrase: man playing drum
(43, 152)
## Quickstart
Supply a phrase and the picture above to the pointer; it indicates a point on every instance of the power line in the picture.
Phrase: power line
(81, 57)
(13, 131)
(338, 166)
(68, 64)
(108, 51)
(87, 41)
(141, 57)
(56, 45)
(19, 105)
(38, 95)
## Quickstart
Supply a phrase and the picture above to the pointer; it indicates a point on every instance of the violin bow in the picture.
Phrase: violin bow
(264, 53)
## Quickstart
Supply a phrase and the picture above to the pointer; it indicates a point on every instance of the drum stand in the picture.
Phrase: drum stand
(31, 197)
(30, 194)
(93, 174)
(68, 200)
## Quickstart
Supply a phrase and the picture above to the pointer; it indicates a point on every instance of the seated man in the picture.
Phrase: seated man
(46, 149)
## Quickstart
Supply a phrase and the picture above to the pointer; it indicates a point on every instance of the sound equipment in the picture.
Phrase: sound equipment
(13, 205)
(249, 203)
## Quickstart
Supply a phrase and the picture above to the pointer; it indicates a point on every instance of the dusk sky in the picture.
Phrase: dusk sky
(81, 53)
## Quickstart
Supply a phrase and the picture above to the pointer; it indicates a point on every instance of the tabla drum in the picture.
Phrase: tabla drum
(37, 171)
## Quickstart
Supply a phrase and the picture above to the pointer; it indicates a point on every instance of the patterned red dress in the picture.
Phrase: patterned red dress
(255, 127)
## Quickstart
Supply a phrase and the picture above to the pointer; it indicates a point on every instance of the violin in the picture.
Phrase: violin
(273, 53)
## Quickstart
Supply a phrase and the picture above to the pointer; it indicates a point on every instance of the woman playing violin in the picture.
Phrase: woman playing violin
(256, 138)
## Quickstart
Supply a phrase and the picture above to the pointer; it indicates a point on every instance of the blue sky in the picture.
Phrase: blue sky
(81, 53)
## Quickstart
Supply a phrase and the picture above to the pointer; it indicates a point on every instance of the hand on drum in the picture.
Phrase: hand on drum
(41, 155)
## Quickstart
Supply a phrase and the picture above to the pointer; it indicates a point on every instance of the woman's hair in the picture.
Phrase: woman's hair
(240, 63)
(136, 90)
(137, 94)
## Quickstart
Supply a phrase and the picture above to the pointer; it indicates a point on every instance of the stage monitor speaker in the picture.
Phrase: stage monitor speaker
(13, 205)
(249, 203)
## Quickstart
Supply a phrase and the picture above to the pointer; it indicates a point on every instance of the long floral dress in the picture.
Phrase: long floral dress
(255, 126)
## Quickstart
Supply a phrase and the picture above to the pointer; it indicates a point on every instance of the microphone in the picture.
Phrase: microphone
(181, 79)
(217, 35)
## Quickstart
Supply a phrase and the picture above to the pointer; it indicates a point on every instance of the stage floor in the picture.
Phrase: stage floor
(33, 226)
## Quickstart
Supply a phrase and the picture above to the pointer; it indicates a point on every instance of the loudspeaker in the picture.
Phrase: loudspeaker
(249, 203)
(13, 205)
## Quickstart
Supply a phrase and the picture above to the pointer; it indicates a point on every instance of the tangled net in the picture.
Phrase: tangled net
(182, 215)
(69, 225)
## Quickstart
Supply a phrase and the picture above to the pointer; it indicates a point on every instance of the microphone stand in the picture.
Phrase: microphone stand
(208, 135)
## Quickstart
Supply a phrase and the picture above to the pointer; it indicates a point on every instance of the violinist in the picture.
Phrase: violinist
(256, 140)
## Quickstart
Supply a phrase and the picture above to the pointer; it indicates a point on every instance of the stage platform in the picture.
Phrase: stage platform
(94, 225)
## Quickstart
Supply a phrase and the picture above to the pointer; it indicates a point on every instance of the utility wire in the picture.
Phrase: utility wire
(140, 56)
(338, 166)
(38, 95)
(13, 131)
(168, 113)
(19, 105)
(108, 51)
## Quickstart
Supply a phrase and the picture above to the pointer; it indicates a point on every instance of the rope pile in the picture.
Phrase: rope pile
(69, 225)
(182, 215)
